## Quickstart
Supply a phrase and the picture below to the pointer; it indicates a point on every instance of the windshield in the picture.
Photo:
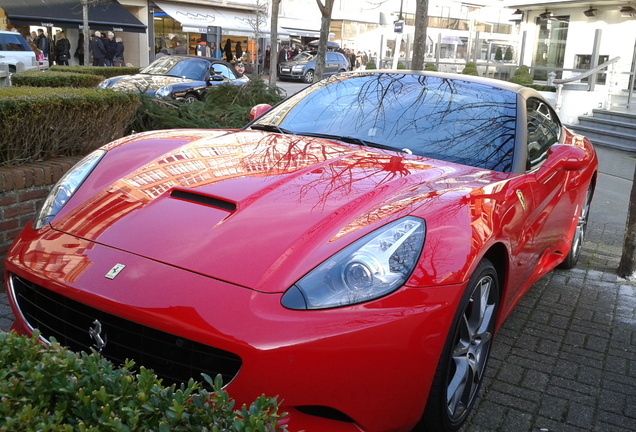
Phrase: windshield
(194, 69)
(13, 42)
(305, 56)
(448, 119)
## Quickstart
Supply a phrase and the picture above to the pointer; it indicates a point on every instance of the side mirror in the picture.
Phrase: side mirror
(217, 78)
(259, 110)
(563, 157)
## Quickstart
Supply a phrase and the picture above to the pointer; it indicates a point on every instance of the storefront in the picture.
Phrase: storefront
(189, 24)
(67, 16)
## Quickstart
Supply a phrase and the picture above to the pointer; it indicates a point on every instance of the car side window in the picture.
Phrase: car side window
(544, 130)
(221, 69)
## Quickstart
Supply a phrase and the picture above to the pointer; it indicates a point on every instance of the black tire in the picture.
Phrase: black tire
(309, 76)
(579, 233)
(461, 367)
(190, 98)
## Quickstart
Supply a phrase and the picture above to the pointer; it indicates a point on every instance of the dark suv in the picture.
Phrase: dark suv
(303, 66)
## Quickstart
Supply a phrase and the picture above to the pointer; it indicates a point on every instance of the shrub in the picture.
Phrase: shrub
(498, 54)
(225, 106)
(400, 65)
(371, 65)
(105, 72)
(522, 76)
(540, 87)
(40, 122)
(48, 388)
(54, 79)
(430, 67)
(508, 54)
(470, 69)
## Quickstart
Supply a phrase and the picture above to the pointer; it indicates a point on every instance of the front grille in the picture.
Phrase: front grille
(173, 358)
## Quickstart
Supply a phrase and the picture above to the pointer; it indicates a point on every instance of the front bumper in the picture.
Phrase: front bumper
(366, 367)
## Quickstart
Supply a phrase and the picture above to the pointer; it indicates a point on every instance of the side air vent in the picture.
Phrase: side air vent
(324, 412)
(203, 199)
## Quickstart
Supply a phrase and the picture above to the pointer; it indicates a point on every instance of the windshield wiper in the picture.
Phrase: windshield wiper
(270, 128)
(350, 140)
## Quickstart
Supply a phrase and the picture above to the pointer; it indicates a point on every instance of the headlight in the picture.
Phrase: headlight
(66, 187)
(164, 91)
(298, 67)
(104, 84)
(375, 265)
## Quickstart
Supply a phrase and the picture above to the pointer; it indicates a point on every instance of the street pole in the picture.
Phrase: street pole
(398, 38)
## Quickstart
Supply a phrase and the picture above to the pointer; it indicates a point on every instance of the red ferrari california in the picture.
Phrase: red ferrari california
(353, 250)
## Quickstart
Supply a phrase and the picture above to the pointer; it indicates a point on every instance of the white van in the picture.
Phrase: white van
(14, 49)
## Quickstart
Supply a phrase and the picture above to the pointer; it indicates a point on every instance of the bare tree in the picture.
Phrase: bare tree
(258, 22)
(273, 52)
(85, 29)
(419, 38)
(325, 22)
(627, 266)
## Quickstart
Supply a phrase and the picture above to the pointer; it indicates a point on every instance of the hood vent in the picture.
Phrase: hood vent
(204, 199)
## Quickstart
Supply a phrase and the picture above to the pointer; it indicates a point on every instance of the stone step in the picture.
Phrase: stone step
(607, 124)
(616, 114)
(607, 138)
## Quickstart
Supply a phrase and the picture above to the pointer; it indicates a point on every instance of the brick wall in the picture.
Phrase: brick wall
(22, 190)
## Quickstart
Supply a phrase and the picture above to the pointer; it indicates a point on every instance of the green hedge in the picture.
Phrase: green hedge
(522, 76)
(40, 122)
(55, 79)
(470, 69)
(106, 72)
(50, 389)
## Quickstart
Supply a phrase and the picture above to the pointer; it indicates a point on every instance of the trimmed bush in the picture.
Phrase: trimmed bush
(508, 54)
(48, 388)
(400, 65)
(105, 72)
(498, 54)
(55, 79)
(522, 76)
(371, 65)
(225, 106)
(540, 87)
(470, 69)
(430, 67)
(38, 123)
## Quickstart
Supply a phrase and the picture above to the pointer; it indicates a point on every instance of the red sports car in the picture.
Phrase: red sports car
(354, 249)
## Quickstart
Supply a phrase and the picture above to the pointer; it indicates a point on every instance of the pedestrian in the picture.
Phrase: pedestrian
(178, 48)
(99, 51)
(227, 49)
(43, 43)
(267, 58)
(32, 37)
(239, 51)
(79, 51)
(62, 49)
(162, 53)
(118, 60)
(111, 46)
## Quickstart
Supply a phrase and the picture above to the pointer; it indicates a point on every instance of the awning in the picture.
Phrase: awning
(196, 19)
(300, 32)
(107, 15)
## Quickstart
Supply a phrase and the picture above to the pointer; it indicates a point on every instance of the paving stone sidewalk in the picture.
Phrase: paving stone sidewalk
(565, 360)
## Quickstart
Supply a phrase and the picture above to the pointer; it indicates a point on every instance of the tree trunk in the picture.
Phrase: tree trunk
(273, 50)
(85, 31)
(419, 38)
(627, 266)
(325, 23)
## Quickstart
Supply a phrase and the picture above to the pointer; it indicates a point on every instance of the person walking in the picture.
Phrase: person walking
(111, 47)
(79, 51)
(239, 51)
(227, 49)
(118, 60)
(99, 51)
(62, 49)
(178, 48)
(43, 43)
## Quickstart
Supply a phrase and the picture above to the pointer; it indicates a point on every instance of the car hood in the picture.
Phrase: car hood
(294, 63)
(145, 82)
(254, 209)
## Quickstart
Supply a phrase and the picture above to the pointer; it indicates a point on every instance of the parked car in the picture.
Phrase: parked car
(14, 49)
(186, 78)
(303, 66)
(353, 250)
